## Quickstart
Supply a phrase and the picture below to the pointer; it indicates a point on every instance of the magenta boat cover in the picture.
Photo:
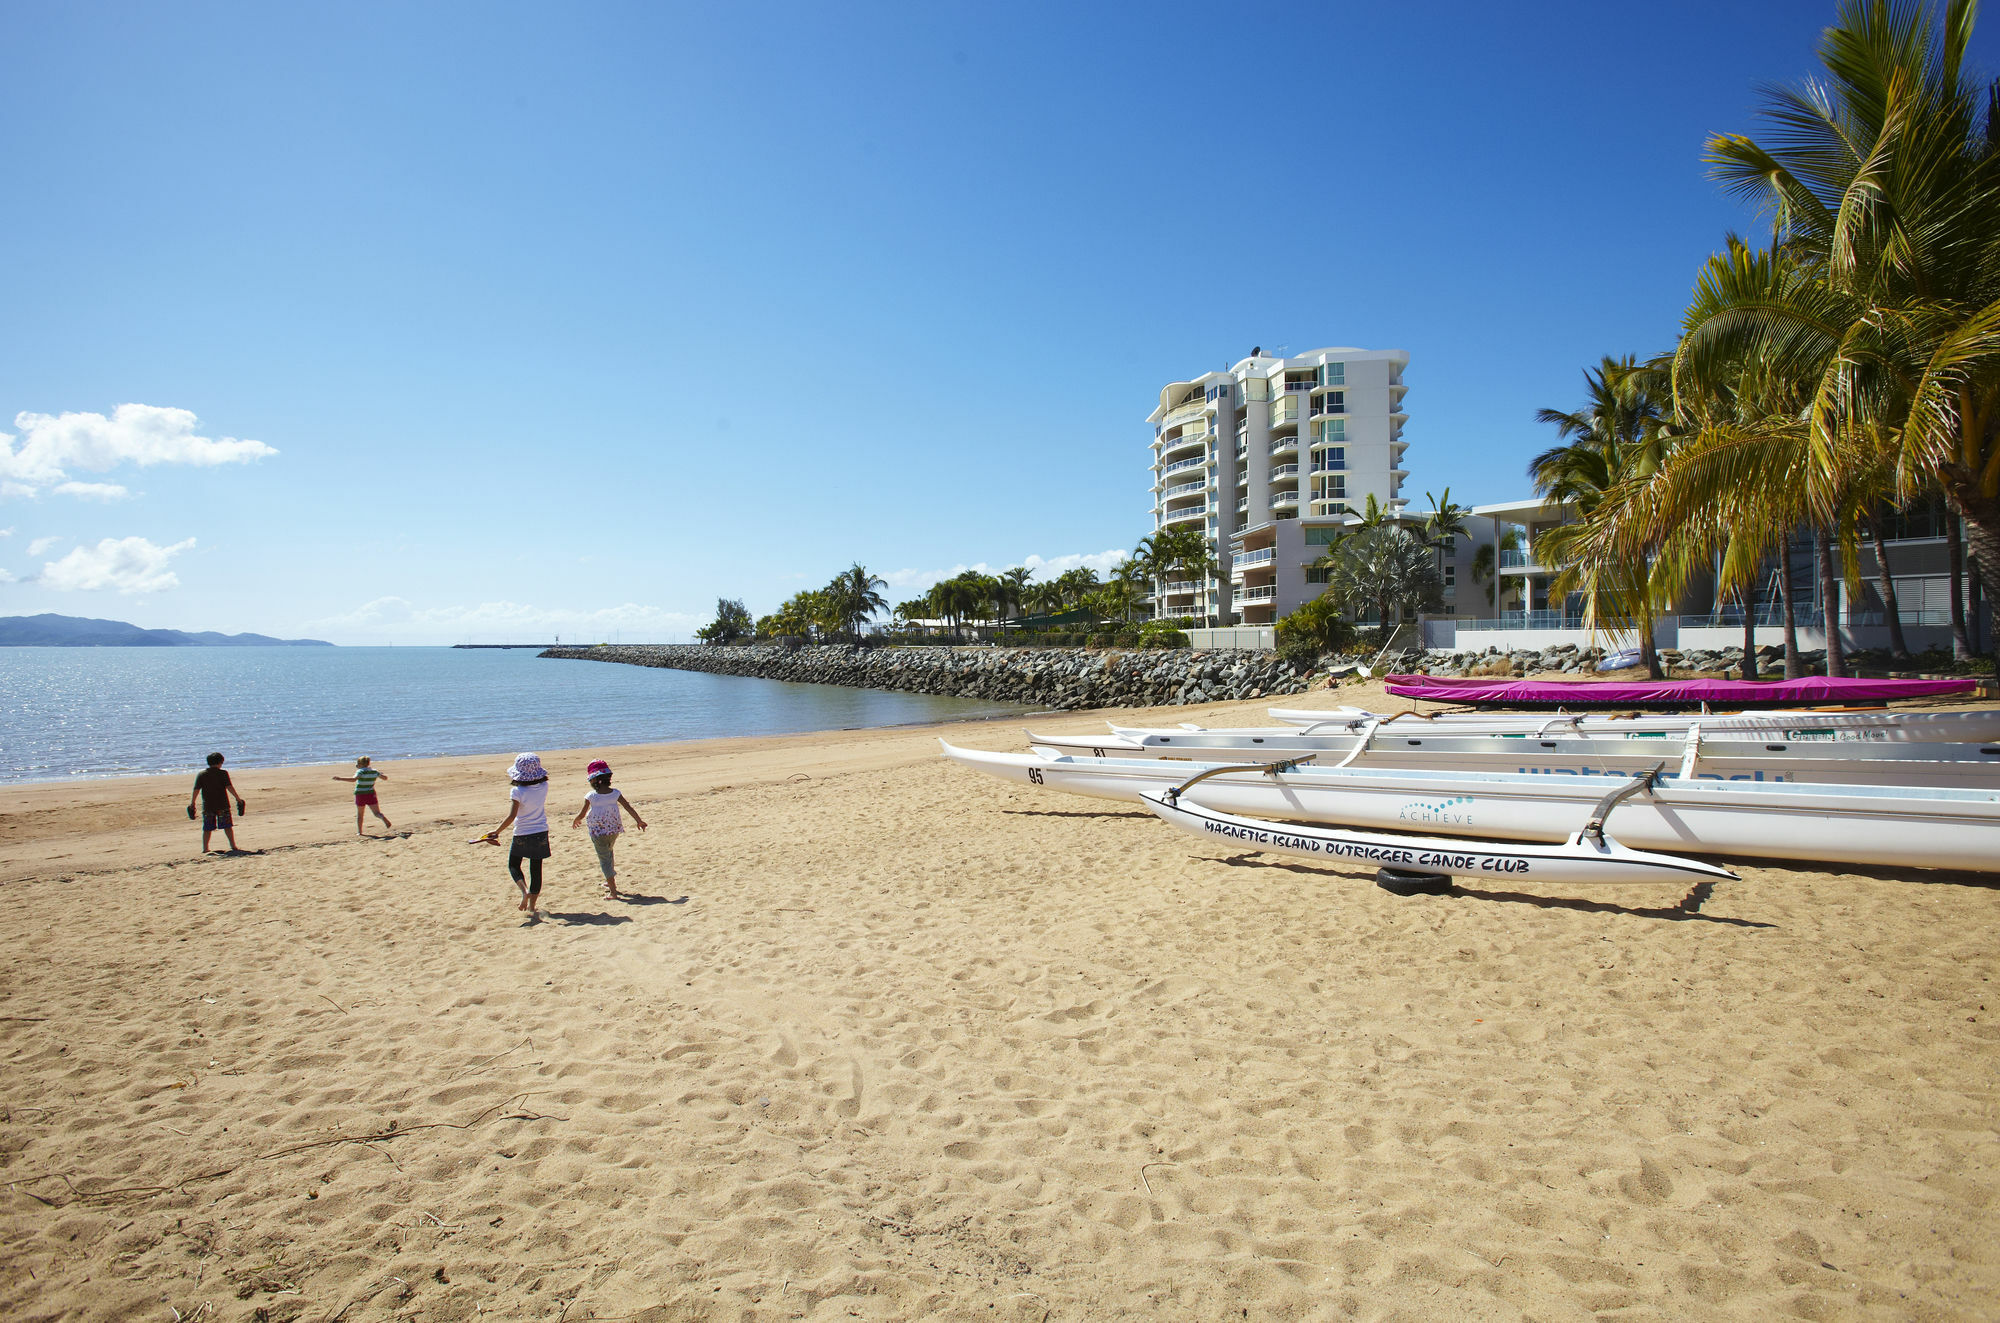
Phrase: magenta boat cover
(1668, 693)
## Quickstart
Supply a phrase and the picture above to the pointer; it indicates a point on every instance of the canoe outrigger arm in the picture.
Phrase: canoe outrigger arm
(1646, 781)
(1173, 795)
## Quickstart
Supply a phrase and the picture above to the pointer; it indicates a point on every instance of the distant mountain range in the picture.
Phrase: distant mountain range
(53, 631)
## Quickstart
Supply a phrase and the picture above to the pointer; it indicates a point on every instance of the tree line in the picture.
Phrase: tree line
(1840, 368)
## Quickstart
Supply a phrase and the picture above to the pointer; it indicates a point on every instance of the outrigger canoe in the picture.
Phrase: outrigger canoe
(1872, 725)
(1668, 693)
(1587, 856)
(1734, 756)
(1899, 826)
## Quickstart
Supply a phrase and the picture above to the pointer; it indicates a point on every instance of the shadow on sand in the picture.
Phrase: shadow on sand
(634, 898)
(1688, 908)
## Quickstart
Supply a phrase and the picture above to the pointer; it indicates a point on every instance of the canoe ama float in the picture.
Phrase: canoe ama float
(1582, 858)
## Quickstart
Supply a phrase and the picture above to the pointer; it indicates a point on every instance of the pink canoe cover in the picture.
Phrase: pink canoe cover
(1644, 693)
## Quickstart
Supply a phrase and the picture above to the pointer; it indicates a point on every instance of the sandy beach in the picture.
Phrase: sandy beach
(878, 1038)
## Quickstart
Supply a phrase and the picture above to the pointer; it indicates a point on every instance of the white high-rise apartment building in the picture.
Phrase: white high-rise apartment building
(1266, 459)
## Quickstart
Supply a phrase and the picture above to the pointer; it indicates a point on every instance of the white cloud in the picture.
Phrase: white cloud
(93, 491)
(40, 544)
(129, 565)
(6, 576)
(506, 622)
(50, 446)
(6, 532)
(910, 583)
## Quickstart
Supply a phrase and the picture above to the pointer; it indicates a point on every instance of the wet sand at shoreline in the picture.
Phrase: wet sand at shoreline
(881, 1038)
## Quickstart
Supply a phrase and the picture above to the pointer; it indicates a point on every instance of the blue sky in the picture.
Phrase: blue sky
(571, 319)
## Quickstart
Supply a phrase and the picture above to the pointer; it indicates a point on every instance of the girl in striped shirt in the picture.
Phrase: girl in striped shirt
(364, 780)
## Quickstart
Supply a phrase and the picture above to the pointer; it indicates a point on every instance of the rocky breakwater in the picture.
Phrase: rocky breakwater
(1054, 678)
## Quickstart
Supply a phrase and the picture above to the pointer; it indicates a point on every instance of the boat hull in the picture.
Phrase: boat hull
(1881, 726)
(1726, 759)
(1920, 827)
(1580, 859)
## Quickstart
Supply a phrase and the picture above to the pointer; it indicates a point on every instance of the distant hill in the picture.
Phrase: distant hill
(53, 631)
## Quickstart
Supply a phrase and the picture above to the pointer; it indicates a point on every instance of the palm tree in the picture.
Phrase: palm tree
(1387, 567)
(1485, 567)
(1618, 437)
(1883, 178)
(854, 596)
(1014, 588)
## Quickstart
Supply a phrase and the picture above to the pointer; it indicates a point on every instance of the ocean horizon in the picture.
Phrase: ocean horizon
(77, 713)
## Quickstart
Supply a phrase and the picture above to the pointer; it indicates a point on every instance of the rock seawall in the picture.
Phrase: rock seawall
(1055, 678)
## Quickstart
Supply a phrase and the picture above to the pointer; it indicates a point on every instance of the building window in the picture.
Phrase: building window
(1333, 374)
(1335, 401)
(1322, 535)
(1334, 429)
(1450, 576)
(1321, 574)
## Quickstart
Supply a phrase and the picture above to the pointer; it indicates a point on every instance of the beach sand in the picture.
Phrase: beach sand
(879, 1038)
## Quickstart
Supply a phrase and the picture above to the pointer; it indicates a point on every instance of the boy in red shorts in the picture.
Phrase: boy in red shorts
(214, 789)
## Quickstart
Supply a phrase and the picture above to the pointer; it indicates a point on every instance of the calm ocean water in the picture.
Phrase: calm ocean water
(73, 712)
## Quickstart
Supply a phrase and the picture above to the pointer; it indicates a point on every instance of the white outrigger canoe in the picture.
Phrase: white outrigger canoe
(1693, 753)
(1589, 855)
(1901, 826)
(1974, 725)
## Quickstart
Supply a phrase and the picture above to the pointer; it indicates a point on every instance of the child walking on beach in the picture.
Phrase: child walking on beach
(364, 780)
(528, 816)
(601, 806)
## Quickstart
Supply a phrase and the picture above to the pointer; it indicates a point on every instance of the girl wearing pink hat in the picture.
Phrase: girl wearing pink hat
(601, 807)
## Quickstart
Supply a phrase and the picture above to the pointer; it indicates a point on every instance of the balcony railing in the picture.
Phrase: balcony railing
(1263, 594)
(1184, 489)
(1771, 615)
(1264, 556)
(1186, 410)
(1183, 586)
(1283, 443)
(1284, 471)
(1180, 464)
(1192, 512)
(1329, 466)
(1284, 498)
(1298, 385)
(1243, 506)
(1186, 439)
(1323, 405)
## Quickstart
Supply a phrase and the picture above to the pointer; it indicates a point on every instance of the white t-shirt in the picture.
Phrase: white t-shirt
(533, 817)
(603, 819)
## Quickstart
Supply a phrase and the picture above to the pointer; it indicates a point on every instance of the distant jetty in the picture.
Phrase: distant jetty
(502, 646)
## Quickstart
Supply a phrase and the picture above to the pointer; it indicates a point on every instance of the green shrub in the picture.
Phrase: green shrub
(1312, 631)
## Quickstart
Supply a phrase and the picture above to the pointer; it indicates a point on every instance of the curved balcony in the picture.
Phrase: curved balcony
(1185, 489)
(1245, 559)
(1181, 464)
(1281, 444)
(1181, 516)
(1183, 441)
(1264, 594)
(1279, 472)
(1283, 499)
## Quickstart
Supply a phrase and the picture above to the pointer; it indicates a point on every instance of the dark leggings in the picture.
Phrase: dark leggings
(534, 874)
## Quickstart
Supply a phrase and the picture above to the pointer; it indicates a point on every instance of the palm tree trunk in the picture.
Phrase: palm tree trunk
(1982, 538)
(1954, 541)
(1885, 583)
(1829, 605)
(1745, 596)
(1792, 668)
(1649, 651)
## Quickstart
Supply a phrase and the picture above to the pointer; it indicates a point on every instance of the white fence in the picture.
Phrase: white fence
(1241, 637)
